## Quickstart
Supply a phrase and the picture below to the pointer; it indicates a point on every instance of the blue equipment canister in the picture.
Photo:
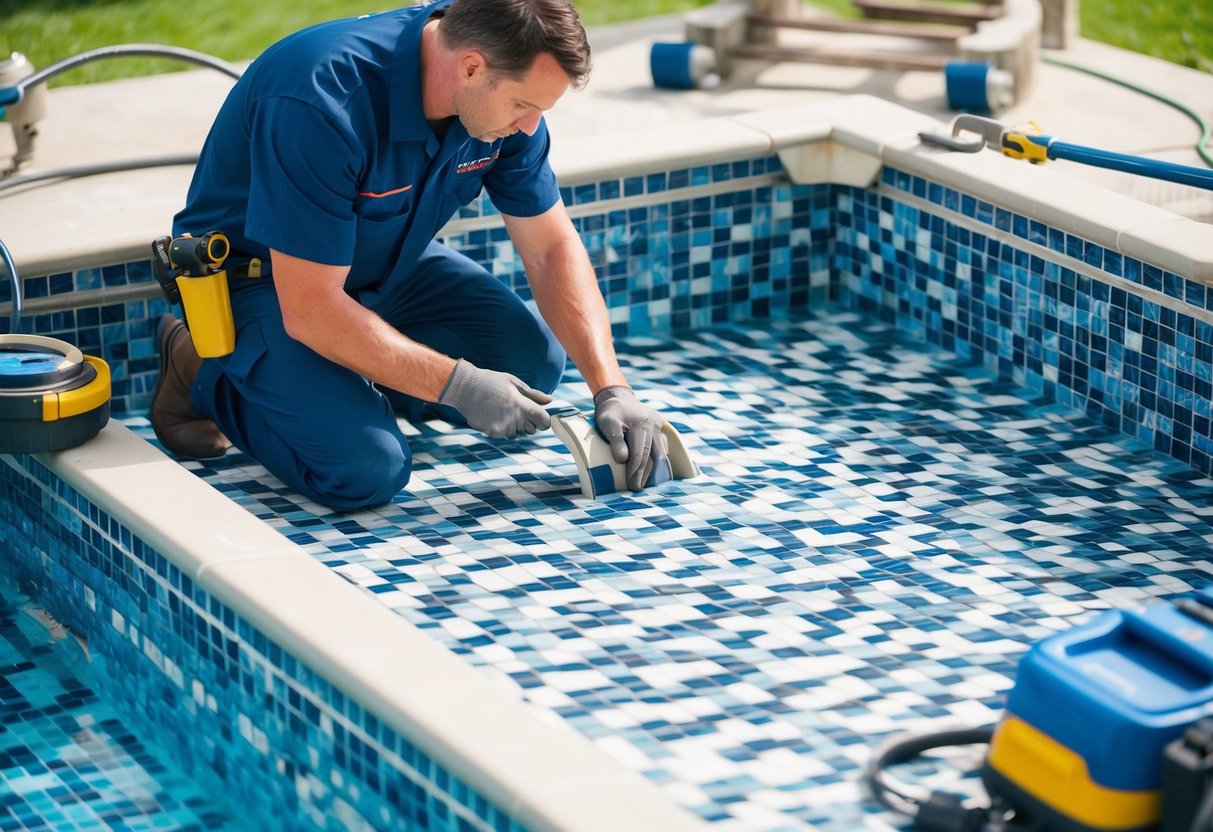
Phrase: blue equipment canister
(978, 87)
(1081, 745)
(683, 66)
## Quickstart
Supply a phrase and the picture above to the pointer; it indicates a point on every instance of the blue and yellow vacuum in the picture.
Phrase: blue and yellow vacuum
(1109, 728)
(1087, 726)
(51, 395)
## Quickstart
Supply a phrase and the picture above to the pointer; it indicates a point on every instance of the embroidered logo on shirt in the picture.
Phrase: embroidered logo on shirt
(478, 164)
(374, 195)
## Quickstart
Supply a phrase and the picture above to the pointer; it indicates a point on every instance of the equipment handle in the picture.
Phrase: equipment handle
(1170, 171)
(1170, 633)
(971, 146)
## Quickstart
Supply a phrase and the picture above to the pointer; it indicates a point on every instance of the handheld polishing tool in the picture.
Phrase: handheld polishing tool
(597, 469)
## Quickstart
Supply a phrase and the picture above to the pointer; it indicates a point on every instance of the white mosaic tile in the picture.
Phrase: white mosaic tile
(880, 532)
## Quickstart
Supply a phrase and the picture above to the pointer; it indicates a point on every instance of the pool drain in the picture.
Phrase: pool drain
(51, 395)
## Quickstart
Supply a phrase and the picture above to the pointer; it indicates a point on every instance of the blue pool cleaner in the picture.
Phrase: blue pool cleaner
(597, 471)
(51, 395)
(1028, 143)
(1109, 728)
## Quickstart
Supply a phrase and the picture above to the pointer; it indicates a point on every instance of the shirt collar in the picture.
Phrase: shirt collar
(407, 117)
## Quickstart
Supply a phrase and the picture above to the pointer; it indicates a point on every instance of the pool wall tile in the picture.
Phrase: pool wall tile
(683, 249)
(259, 725)
(1090, 328)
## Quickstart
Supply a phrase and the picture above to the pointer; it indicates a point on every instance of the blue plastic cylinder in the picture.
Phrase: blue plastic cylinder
(966, 83)
(977, 87)
(681, 66)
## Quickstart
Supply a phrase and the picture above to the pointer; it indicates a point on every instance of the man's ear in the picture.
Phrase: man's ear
(471, 63)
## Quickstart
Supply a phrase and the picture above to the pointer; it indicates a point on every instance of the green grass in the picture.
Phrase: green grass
(1180, 31)
(235, 30)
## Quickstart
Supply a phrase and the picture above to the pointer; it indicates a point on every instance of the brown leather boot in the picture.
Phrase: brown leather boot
(178, 426)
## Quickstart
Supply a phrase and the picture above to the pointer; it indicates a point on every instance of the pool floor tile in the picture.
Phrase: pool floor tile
(68, 760)
(879, 533)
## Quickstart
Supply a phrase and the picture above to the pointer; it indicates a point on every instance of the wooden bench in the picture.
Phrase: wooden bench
(1006, 34)
(964, 14)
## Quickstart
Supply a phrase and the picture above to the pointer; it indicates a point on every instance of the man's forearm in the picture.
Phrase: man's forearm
(569, 299)
(317, 312)
(360, 340)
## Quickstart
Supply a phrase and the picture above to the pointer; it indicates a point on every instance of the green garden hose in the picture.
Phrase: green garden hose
(1202, 142)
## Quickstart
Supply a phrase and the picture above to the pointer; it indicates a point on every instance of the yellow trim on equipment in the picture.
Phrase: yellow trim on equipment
(211, 240)
(1058, 776)
(1020, 145)
(67, 403)
(89, 397)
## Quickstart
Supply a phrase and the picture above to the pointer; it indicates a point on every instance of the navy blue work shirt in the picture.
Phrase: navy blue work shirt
(322, 151)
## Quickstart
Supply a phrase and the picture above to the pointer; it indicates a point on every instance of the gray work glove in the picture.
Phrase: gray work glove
(496, 404)
(633, 430)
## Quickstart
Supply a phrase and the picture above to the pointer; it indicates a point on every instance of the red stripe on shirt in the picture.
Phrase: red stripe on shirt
(374, 195)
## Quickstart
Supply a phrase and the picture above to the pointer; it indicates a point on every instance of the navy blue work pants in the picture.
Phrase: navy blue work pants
(328, 432)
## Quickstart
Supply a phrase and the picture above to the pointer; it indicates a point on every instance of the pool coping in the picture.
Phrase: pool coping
(459, 716)
(842, 141)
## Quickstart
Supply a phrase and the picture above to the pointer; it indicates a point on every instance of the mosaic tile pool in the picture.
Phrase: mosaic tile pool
(243, 717)
(1127, 342)
(881, 530)
(69, 759)
(883, 527)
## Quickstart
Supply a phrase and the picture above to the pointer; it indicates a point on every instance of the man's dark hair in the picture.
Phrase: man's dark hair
(511, 34)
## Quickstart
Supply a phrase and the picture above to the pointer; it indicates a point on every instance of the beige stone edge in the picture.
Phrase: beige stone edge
(547, 776)
(1116, 222)
(848, 140)
(845, 140)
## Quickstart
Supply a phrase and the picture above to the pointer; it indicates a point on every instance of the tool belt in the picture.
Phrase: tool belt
(242, 265)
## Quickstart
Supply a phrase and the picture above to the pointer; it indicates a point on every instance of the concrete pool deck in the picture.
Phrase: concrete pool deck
(126, 119)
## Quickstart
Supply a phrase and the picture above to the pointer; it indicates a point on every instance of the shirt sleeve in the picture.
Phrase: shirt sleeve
(521, 183)
(303, 180)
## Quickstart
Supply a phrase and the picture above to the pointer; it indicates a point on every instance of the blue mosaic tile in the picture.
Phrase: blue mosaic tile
(996, 293)
(773, 252)
(246, 719)
(881, 530)
(68, 760)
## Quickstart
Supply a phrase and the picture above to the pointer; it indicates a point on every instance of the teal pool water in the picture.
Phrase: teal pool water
(68, 759)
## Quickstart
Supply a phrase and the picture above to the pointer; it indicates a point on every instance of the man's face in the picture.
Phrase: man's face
(493, 107)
